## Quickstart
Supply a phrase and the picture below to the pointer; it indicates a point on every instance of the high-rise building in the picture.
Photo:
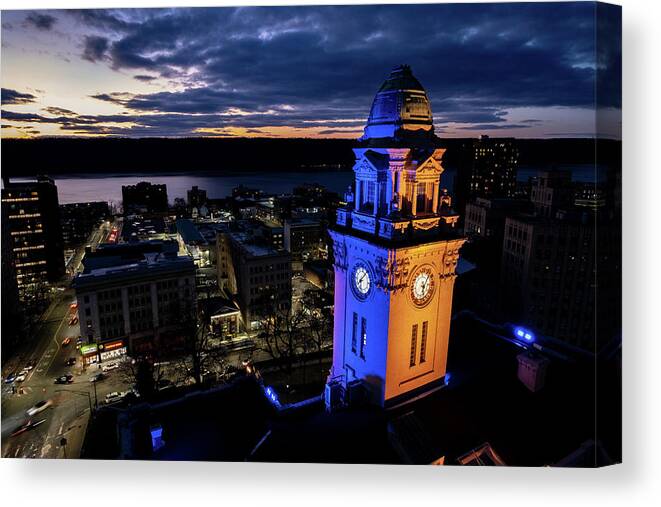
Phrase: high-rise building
(31, 214)
(395, 255)
(550, 276)
(551, 191)
(144, 197)
(488, 169)
(12, 316)
(196, 197)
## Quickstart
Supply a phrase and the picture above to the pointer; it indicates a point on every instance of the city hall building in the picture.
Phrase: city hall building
(395, 256)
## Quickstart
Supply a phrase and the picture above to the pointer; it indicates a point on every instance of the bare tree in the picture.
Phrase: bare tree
(316, 307)
(281, 334)
(202, 353)
(145, 373)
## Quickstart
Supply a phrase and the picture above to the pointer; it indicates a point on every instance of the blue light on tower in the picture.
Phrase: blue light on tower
(524, 334)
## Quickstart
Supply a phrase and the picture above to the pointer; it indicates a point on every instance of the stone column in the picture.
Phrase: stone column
(389, 187)
(434, 207)
(414, 197)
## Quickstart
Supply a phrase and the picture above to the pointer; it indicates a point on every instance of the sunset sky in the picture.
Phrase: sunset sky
(516, 70)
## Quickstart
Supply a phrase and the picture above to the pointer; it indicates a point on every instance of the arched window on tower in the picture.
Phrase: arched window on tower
(423, 199)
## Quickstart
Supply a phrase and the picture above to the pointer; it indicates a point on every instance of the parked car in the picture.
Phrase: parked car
(71, 361)
(66, 341)
(10, 378)
(39, 407)
(113, 397)
(21, 376)
(98, 377)
(110, 366)
(29, 366)
(73, 320)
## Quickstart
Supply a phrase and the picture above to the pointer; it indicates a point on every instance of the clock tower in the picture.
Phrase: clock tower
(396, 251)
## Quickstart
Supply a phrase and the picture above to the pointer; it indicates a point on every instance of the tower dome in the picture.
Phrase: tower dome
(400, 109)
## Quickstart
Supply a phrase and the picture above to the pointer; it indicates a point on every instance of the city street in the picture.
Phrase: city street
(67, 416)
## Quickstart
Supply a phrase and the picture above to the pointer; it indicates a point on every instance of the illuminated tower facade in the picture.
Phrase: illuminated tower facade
(396, 252)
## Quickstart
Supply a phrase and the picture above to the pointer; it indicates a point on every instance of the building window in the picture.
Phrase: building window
(363, 336)
(423, 342)
(354, 333)
(414, 345)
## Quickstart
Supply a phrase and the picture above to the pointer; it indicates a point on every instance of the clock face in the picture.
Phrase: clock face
(422, 286)
(361, 280)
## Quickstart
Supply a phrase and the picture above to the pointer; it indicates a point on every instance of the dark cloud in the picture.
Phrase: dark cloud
(95, 48)
(59, 111)
(10, 96)
(255, 67)
(40, 21)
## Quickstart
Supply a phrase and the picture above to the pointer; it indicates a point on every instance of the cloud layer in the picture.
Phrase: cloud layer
(319, 67)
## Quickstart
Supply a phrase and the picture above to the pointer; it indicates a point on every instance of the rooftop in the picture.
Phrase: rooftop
(485, 415)
(117, 261)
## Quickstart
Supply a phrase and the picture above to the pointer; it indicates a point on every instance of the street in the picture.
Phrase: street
(67, 416)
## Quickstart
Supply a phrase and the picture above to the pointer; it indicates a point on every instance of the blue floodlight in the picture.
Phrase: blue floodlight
(525, 334)
(157, 437)
(272, 396)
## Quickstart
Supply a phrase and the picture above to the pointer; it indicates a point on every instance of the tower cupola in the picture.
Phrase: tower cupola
(400, 109)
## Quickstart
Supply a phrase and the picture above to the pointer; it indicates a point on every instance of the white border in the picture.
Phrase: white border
(636, 482)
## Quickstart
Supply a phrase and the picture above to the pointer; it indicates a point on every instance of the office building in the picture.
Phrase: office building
(144, 197)
(488, 168)
(550, 276)
(196, 197)
(302, 238)
(250, 270)
(138, 294)
(31, 215)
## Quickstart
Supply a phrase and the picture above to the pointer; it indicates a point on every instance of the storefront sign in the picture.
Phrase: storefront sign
(88, 349)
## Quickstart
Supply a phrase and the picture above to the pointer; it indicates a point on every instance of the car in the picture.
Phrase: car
(73, 306)
(39, 407)
(21, 377)
(29, 366)
(11, 377)
(66, 341)
(71, 361)
(113, 397)
(73, 320)
(64, 379)
(110, 366)
(98, 377)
